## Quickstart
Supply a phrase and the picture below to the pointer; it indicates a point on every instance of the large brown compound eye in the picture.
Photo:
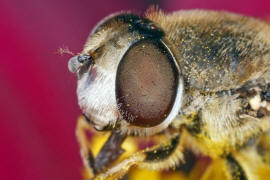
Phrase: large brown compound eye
(146, 83)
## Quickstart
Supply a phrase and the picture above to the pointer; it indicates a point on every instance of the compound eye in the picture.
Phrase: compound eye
(146, 83)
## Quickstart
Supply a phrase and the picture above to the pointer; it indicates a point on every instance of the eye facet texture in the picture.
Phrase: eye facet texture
(146, 83)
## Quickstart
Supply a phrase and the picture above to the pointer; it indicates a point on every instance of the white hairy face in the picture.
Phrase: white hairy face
(96, 87)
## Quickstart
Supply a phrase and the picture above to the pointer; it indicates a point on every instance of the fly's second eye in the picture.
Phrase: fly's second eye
(146, 84)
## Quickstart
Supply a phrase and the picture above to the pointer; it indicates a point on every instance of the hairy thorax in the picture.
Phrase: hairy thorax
(217, 51)
(225, 65)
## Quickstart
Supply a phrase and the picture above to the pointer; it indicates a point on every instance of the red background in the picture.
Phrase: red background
(38, 104)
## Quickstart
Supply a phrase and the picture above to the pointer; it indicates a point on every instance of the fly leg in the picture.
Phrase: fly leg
(163, 156)
(86, 154)
(110, 151)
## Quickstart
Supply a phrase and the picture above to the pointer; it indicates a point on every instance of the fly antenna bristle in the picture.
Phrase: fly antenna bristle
(64, 50)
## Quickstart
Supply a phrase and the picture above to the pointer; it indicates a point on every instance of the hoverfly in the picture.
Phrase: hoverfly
(198, 78)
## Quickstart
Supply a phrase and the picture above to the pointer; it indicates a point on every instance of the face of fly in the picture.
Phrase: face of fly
(121, 83)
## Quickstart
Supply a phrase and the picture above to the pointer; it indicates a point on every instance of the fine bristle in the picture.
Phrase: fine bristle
(64, 50)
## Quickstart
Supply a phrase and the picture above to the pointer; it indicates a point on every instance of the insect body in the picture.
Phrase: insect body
(199, 77)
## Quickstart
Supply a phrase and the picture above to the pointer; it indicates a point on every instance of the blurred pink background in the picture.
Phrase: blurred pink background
(38, 109)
